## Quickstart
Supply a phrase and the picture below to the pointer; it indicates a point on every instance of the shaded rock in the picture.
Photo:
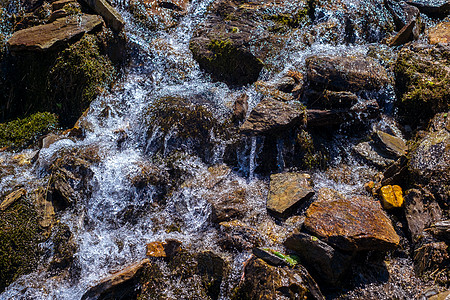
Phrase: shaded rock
(391, 196)
(430, 164)
(408, 20)
(421, 211)
(237, 235)
(327, 118)
(163, 249)
(112, 18)
(226, 60)
(61, 3)
(227, 205)
(120, 285)
(44, 208)
(11, 198)
(329, 264)
(352, 225)
(64, 248)
(421, 80)
(393, 145)
(371, 153)
(240, 107)
(262, 281)
(213, 269)
(339, 73)
(53, 35)
(327, 99)
(269, 257)
(440, 34)
(270, 90)
(432, 259)
(441, 230)
(270, 115)
(396, 173)
(60, 13)
(288, 191)
(160, 14)
(435, 8)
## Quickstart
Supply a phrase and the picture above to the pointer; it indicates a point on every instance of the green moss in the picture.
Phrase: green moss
(19, 238)
(21, 133)
(311, 157)
(291, 20)
(292, 260)
(79, 74)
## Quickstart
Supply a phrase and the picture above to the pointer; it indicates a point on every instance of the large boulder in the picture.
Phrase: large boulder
(50, 36)
(341, 73)
(270, 115)
(263, 281)
(352, 224)
(288, 191)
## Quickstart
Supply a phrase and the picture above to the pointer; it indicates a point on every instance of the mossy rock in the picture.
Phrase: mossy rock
(226, 61)
(19, 239)
(191, 125)
(21, 133)
(422, 81)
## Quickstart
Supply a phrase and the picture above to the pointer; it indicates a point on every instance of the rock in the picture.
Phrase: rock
(262, 281)
(430, 164)
(213, 269)
(226, 60)
(112, 18)
(431, 256)
(329, 264)
(61, 3)
(327, 99)
(440, 296)
(64, 248)
(441, 230)
(227, 204)
(420, 211)
(11, 198)
(270, 115)
(51, 36)
(396, 173)
(422, 75)
(269, 257)
(240, 107)
(270, 90)
(288, 191)
(393, 145)
(159, 14)
(237, 235)
(339, 73)
(163, 249)
(434, 8)
(60, 13)
(119, 285)
(326, 118)
(391, 196)
(352, 225)
(44, 208)
(407, 19)
(440, 34)
(371, 153)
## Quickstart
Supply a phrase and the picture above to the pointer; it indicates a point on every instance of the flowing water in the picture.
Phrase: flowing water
(162, 65)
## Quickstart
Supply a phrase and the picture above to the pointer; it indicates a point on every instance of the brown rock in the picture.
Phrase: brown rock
(287, 191)
(61, 3)
(11, 198)
(391, 144)
(346, 73)
(119, 284)
(240, 107)
(227, 205)
(271, 115)
(155, 249)
(371, 153)
(60, 13)
(441, 230)
(50, 36)
(112, 18)
(44, 208)
(440, 34)
(352, 225)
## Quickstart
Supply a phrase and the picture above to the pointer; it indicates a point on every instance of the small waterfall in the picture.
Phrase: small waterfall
(252, 157)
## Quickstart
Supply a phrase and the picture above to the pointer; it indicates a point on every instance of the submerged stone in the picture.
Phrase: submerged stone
(287, 191)
(355, 224)
(50, 36)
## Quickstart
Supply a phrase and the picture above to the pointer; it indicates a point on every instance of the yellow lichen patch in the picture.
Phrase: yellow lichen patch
(391, 196)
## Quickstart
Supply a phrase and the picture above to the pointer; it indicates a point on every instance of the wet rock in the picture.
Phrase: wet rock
(432, 259)
(396, 173)
(327, 99)
(288, 191)
(408, 20)
(44, 208)
(120, 285)
(237, 235)
(435, 8)
(60, 13)
(329, 264)
(270, 90)
(226, 60)
(440, 296)
(370, 152)
(112, 18)
(269, 257)
(393, 145)
(440, 34)
(64, 248)
(441, 230)
(326, 118)
(11, 198)
(227, 205)
(213, 269)
(430, 164)
(270, 115)
(339, 73)
(421, 211)
(159, 14)
(53, 35)
(262, 281)
(421, 75)
(240, 107)
(391, 196)
(61, 3)
(163, 249)
(352, 225)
